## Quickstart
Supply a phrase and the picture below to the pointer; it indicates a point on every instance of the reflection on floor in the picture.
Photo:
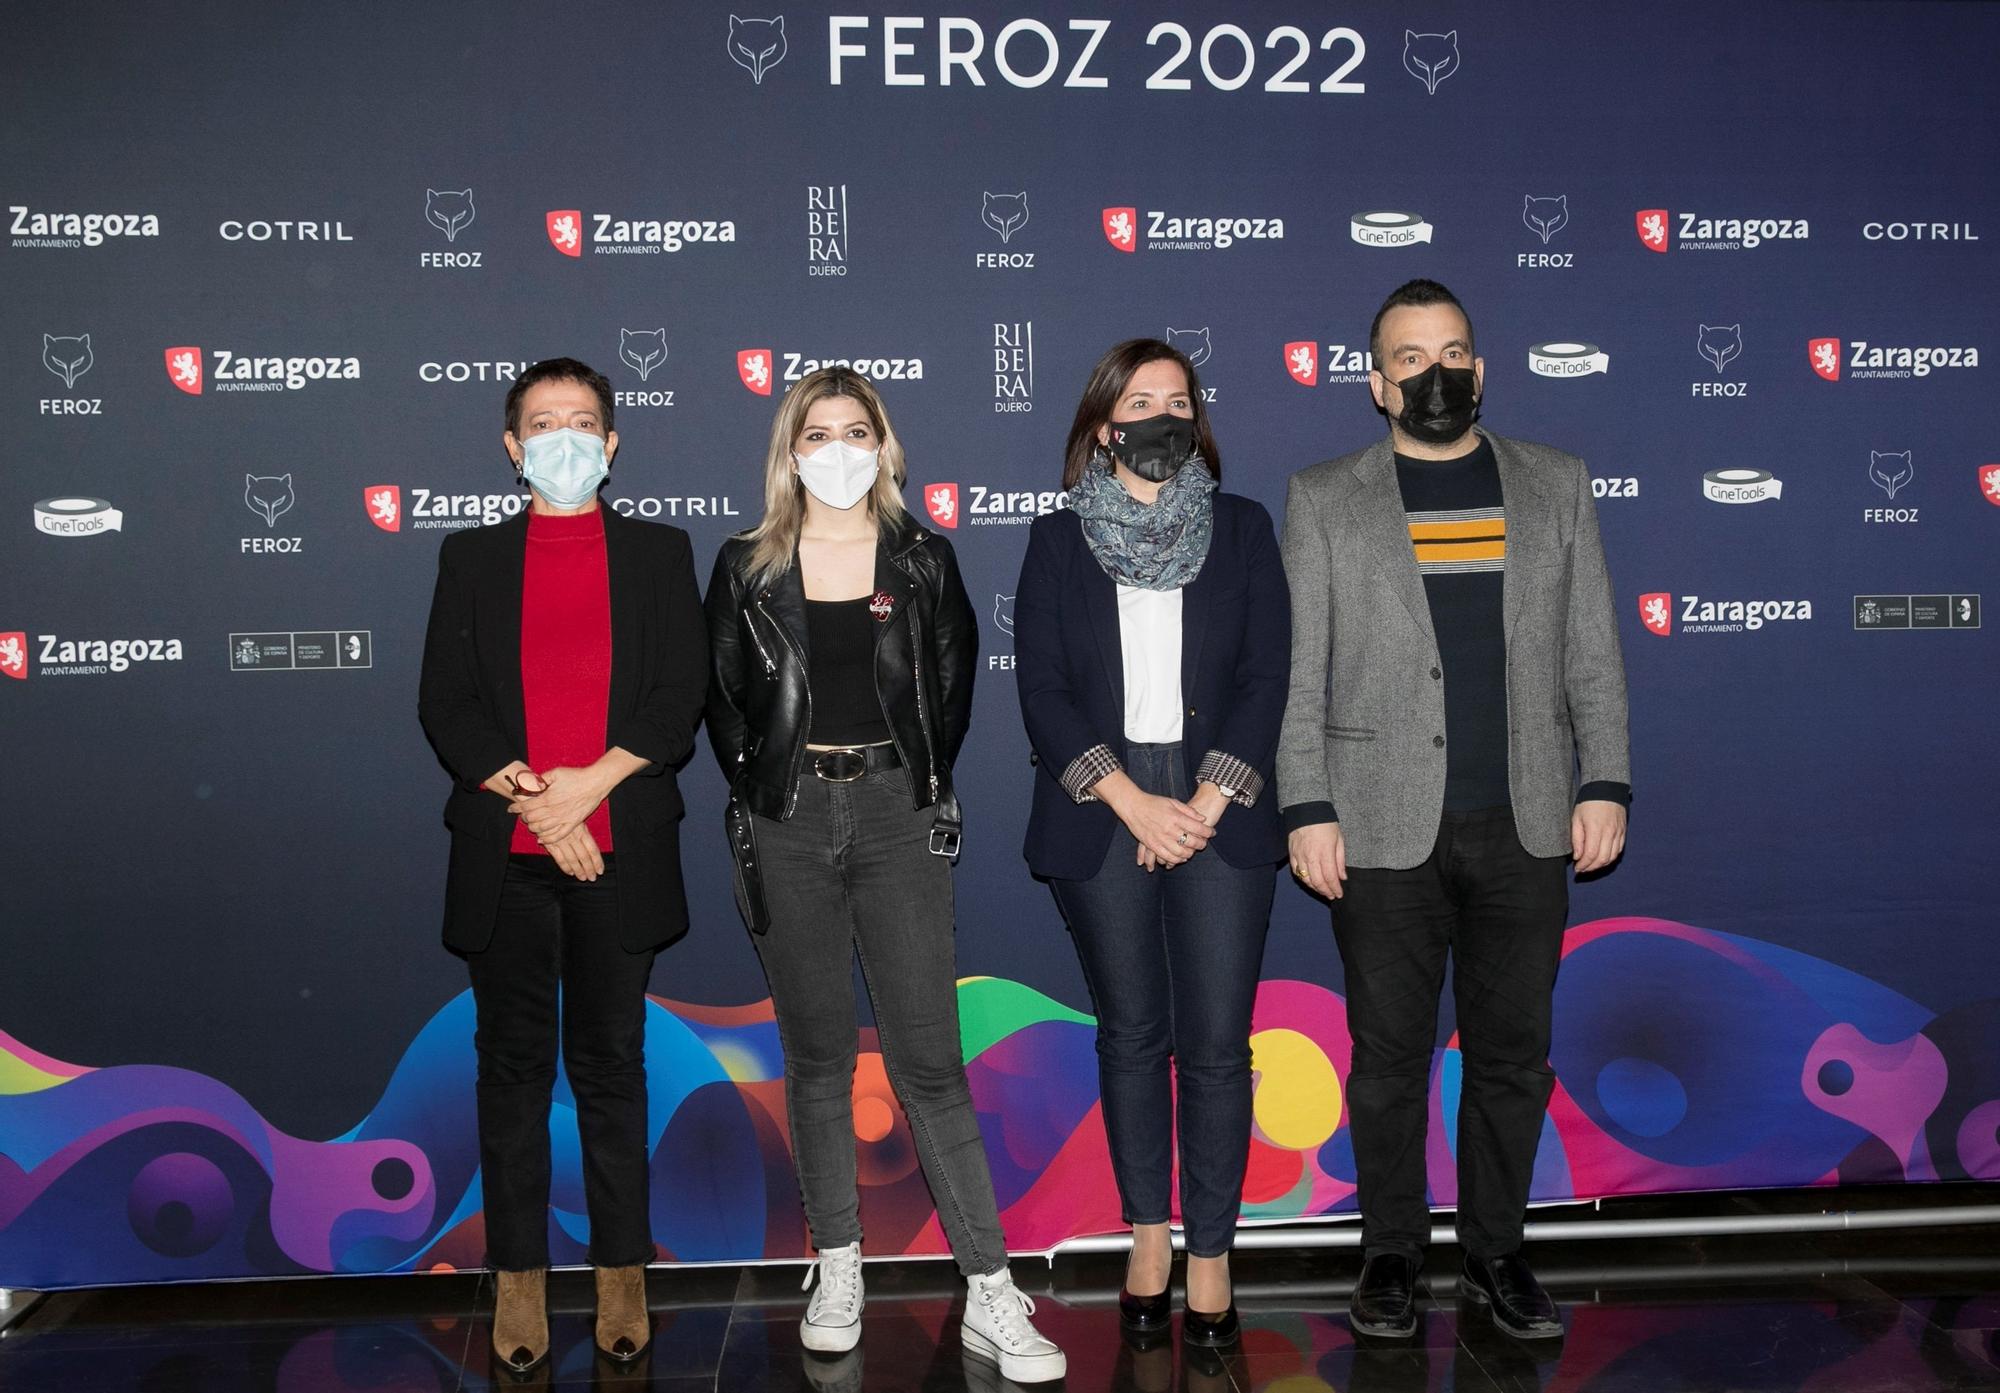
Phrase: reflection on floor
(1904, 1310)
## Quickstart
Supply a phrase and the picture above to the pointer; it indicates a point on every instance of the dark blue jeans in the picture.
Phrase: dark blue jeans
(1172, 958)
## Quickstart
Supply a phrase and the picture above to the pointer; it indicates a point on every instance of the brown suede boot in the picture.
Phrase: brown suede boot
(624, 1326)
(521, 1319)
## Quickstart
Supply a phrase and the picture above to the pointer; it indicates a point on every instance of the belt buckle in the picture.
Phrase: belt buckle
(846, 759)
(944, 841)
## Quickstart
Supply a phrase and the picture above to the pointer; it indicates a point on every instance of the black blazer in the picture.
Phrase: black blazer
(472, 709)
(1236, 659)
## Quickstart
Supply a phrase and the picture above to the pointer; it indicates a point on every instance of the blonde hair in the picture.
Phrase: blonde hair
(774, 540)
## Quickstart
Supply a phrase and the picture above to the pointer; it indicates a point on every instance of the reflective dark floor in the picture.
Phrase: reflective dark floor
(1901, 1311)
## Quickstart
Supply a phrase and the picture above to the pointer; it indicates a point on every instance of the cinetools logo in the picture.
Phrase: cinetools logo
(77, 517)
(1388, 228)
(757, 45)
(384, 503)
(1567, 358)
(1430, 58)
(1740, 486)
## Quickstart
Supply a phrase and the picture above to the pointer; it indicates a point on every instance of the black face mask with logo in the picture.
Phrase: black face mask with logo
(1439, 404)
(1155, 448)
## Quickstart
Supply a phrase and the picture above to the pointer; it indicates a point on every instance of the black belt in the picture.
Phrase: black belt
(844, 766)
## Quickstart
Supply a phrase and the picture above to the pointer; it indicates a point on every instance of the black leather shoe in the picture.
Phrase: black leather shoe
(1384, 1303)
(1520, 1307)
(1210, 1331)
(1145, 1313)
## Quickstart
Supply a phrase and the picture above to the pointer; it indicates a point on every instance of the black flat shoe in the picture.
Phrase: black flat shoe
(1384, 1303)
(1520, 1307)
(1145, 1313)
(1201, 1328)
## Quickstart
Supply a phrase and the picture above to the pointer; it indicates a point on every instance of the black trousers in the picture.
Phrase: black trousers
(1498, 913)
(555, 971)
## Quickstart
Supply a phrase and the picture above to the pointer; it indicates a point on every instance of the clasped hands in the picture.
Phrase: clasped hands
(553, 805)
(1168, 831)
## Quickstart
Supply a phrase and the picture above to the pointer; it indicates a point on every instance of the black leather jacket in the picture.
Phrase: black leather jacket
(759, 705)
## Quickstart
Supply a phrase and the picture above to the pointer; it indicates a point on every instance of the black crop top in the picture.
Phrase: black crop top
(840, 637)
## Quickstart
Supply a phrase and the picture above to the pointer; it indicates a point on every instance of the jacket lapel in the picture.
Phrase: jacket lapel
(628, 594)
(891, 580)
(1530, 526)
(1196, 605)
(1378, 504)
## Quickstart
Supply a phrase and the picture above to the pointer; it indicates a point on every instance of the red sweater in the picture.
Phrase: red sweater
(566, 652)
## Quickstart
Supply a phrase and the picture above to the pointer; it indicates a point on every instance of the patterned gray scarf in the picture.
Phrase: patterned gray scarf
(1153, 546)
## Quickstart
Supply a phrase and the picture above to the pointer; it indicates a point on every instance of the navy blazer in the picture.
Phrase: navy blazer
(1236, 660)
(472, 708)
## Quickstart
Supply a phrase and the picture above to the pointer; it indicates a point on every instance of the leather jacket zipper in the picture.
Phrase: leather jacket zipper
(798, 754)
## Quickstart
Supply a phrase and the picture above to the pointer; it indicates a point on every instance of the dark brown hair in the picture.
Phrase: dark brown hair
(1418, 292)
(1108, 381)
(559, 370)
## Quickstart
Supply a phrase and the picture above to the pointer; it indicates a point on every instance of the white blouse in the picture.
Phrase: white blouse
(1149, 634)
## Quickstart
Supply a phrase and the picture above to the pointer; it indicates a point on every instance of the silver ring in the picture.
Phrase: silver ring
(1181, 840)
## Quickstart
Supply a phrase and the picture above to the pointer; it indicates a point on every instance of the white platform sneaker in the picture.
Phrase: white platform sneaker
(833, 1318)
(997, 1328)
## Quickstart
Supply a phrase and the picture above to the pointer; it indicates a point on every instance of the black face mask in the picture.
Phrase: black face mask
(1439, 404)
(1155, 448)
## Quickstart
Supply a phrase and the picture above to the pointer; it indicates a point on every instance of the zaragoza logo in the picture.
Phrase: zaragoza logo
(1121, 228)
(753, 366)
(1651, 225)
(1302, 361)
(184, 369)
(565, 227)
(1656, 612)
(14, 654)
(941, 502)
(1989, 483)
(1824, 355)
(385, 506)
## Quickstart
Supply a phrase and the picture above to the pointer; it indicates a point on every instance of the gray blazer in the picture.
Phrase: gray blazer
(1364, 723)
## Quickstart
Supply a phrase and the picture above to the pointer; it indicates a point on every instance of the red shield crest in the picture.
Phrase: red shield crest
(753, 366)
(1656, 612)
(1989, 483)
(184, 369)
(1651, 225)
(385, 506)
(14, 654)
(1824, 355)
(882, 604)
(1121, 228)
(565, 227)
(1302, 362)
(941, 502)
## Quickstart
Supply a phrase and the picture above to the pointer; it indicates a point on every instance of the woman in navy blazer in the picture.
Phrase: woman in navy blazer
(1152, 629)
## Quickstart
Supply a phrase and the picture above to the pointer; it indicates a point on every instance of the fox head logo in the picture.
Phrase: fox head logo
(1430, 58)
(1890, 471)
(1656, 612)
(1003, 614)
(184, 369)
(753, 366)
(1005, 213)
(1121, 228)
(643, 349)
(757, 45)
(1545, 216)
(450, 213)
(1651, 225)
(941, 502)
(268, 496)
(1824, 355)
(68, 358)
(1302, 362)
(14, 654)
(565, 227)
(385, 506)
(1720, 343)
(1989, 483)
(1193, 342)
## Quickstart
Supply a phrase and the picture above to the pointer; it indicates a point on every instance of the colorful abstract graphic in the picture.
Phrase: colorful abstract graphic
(1685, 1059)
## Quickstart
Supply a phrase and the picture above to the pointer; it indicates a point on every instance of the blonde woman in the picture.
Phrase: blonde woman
(843, 648)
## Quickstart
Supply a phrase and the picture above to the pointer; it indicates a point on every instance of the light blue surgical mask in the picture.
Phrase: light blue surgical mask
(564, 466)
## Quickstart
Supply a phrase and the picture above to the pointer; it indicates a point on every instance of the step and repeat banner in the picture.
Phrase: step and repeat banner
(267, 273)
